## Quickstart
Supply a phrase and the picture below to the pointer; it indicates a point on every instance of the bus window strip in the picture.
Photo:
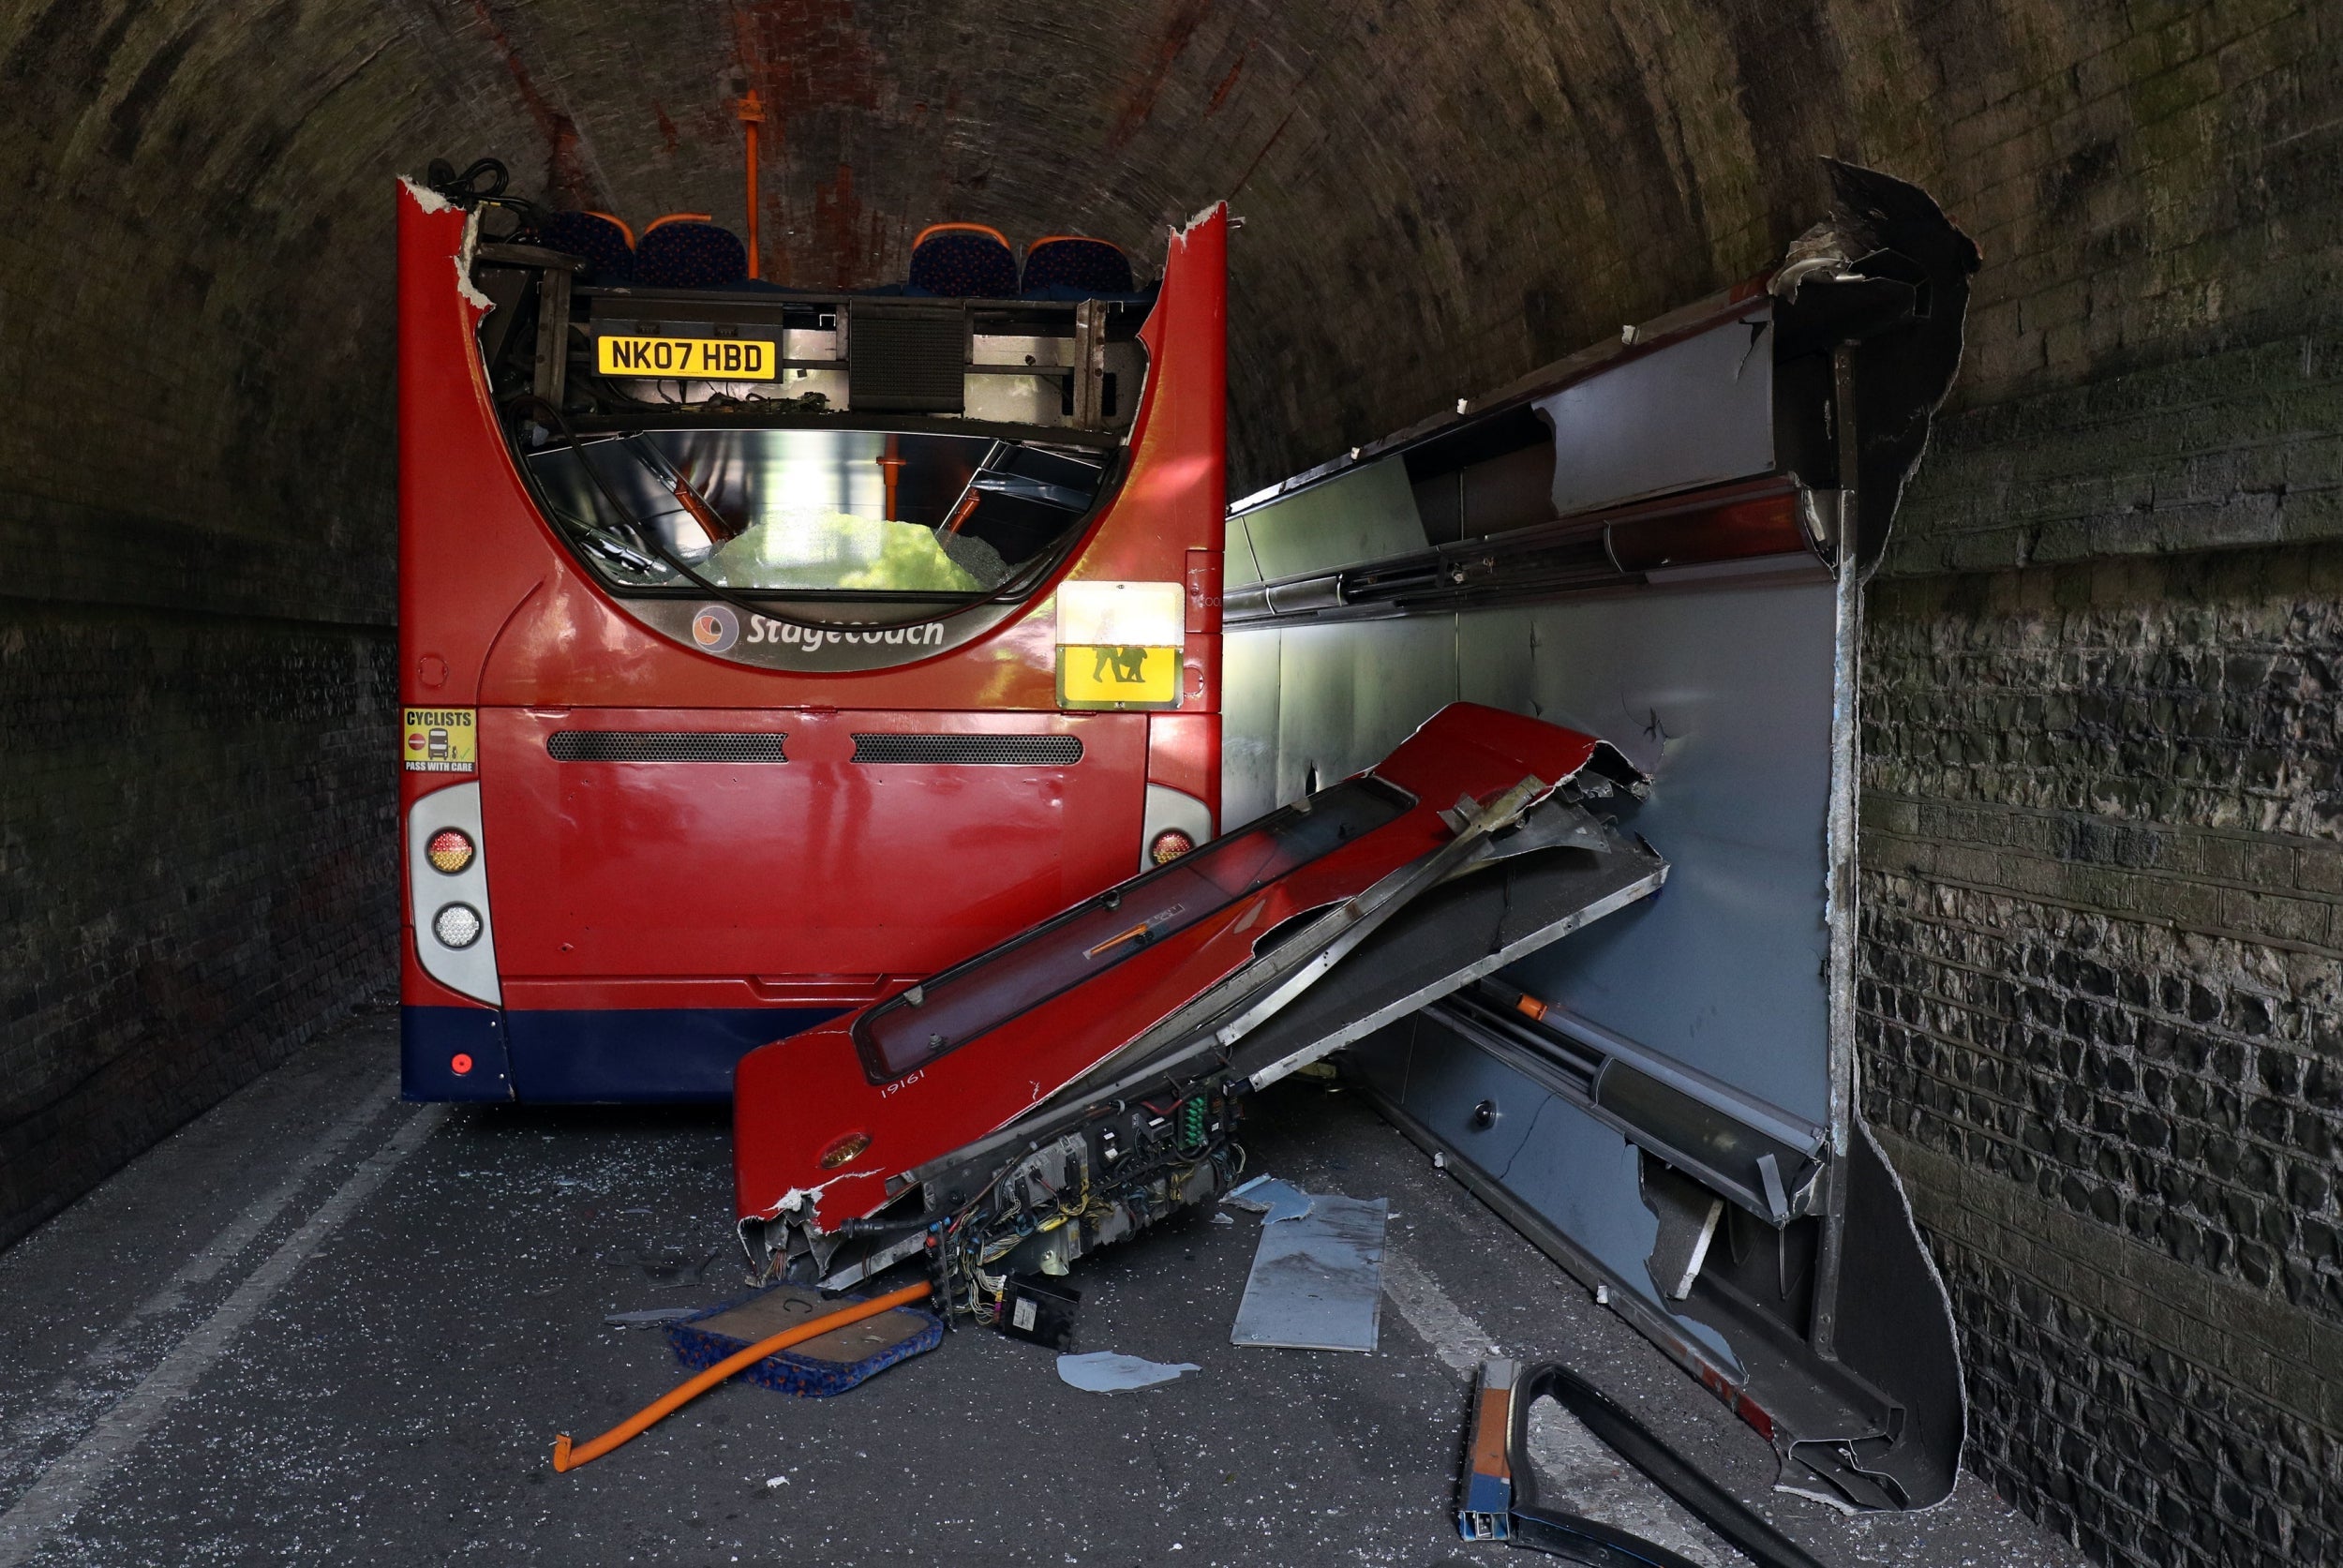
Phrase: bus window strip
(1349, 808)
(1015, 589)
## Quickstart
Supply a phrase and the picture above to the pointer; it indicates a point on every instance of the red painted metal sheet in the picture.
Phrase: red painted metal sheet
(799, 1096)
(815, 866)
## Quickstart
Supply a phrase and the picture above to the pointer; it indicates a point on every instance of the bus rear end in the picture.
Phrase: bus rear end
(763, 650)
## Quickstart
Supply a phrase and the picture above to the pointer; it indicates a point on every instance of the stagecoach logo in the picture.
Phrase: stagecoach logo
(926, 634)
(715, 627)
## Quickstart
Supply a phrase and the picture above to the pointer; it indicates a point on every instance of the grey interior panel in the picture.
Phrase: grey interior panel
(1725, 698)
(1621, 435)
(1248, 726)
(1349, 694)
(1722, 694)
(1365, 514)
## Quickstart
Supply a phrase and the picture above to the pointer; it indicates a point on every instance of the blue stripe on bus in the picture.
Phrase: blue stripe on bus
(660, 1053)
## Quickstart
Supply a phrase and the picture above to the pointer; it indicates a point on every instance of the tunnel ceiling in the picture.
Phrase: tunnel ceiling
(1436, 199)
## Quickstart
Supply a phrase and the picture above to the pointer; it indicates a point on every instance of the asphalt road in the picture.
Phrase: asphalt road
(317, 1326)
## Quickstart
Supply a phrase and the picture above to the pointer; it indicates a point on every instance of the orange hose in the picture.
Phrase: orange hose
(567, 1458)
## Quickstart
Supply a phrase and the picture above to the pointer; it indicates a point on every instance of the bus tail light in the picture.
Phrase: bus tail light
(447, 893)
(1174, 823)
(450, 851)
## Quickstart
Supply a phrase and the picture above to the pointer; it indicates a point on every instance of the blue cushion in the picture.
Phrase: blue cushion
(609, 256)
(1092, 267)
(689, 255)
(965, 263)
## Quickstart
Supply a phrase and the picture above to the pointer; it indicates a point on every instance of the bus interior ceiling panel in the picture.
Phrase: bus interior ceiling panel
(1621, 435)
(1248, 717)
(1676, 595)
(1739, 749)
(1347, 694)
(1725, 696)
(1365, 514)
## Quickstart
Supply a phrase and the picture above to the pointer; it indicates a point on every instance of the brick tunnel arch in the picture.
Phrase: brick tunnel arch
(197, 647)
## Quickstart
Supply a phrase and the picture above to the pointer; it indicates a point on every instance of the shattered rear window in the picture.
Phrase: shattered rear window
(900, 1036)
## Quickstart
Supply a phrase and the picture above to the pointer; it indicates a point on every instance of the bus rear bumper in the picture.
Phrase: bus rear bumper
(453, 1053)
(633, 1055)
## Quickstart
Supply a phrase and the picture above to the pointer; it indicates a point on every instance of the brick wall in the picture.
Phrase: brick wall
(198, 855)
(196, 561)
(2103, 1021)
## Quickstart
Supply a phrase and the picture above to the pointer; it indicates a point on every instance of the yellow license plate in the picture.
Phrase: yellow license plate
(1104, 674)
(706, 359)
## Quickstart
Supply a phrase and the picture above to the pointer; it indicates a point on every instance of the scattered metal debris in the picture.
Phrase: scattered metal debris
(653, 1315)
(1107, 1372)
(1318, 1281)
(1270, 1198)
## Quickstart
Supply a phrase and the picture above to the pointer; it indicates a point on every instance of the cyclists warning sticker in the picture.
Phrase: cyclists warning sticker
(439, 741)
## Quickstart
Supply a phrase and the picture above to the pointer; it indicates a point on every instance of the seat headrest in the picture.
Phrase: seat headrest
(964, 261)
(606, 244)
(1076, 263)
(683, 250)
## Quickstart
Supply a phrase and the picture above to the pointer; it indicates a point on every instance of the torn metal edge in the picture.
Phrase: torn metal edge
(430, 201)
(1734, 1521)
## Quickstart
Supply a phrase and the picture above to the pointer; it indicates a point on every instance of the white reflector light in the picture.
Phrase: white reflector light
(457, 925)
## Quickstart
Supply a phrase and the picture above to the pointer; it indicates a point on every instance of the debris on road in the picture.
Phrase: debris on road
(1106, 1372)
(644, 1319)
(1317, 1282)
(1270, 1198)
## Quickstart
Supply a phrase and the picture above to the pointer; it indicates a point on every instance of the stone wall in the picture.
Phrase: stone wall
(197, 860)
(2103, 1024)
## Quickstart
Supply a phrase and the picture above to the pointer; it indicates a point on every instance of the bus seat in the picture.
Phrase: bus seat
(684, 250)
(605, 243)
(964, 261)
(1087, 268)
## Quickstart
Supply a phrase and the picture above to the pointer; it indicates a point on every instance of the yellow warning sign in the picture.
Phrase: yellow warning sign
(710, 359)
(439, 741)
(1109, 675)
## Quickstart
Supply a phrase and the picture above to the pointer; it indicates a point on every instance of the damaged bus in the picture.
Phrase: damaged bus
(763, 649)
(1662, 541)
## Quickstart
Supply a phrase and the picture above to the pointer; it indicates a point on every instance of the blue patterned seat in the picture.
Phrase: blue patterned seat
(606, 244)
(1074, 266)
(964, 261)
(684, 250)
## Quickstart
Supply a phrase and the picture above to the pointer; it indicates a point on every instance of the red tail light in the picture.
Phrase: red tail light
(1170, 846)
(449, 851)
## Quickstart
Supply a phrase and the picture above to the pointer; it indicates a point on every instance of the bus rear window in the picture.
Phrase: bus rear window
(992, 988)
(820, 510)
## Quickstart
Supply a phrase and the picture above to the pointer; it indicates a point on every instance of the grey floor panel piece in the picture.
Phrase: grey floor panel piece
(1318, 1281)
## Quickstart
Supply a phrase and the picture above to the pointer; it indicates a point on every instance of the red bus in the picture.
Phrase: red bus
(763, 649)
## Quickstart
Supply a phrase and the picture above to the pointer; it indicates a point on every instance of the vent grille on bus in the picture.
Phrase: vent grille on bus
(1029, 751)
(659, 745)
